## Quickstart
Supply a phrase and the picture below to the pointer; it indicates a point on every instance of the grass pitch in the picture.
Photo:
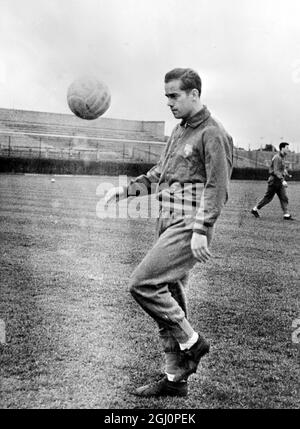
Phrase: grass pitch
(74, 337)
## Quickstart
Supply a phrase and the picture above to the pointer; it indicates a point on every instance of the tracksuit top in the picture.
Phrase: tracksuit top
(193, 173)
(278, 167)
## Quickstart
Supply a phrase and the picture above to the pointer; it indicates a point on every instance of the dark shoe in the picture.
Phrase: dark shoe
(190, 359)
(255, 213)
(164, 387)
(288, 217)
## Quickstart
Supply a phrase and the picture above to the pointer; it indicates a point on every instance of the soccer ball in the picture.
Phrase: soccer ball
(88, 97)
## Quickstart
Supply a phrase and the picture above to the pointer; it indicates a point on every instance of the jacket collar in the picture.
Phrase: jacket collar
(197, 119)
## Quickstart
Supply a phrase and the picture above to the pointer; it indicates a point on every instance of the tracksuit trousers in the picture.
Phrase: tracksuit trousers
(275, 187)
(158, 283)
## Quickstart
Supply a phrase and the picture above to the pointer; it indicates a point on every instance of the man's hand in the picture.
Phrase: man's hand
(284, 183)
(199, 246)
(115, 194)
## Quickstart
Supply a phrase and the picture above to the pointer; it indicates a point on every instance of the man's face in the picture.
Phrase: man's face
(180, 102)
(285, 150)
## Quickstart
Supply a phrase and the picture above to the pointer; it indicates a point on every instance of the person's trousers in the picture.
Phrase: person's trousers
(275, 187)
(158, 283)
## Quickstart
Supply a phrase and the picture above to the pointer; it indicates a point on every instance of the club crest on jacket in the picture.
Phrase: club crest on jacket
(188, 149)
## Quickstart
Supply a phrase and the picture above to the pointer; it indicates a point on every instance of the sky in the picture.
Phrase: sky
(247, 53)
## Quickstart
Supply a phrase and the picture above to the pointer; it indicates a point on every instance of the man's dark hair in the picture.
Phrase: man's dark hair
(189, 79)
(283, 145)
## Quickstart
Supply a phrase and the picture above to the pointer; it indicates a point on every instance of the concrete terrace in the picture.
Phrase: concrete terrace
(24, 133)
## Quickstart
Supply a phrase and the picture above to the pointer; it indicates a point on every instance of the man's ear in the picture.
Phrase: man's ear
(195, 93)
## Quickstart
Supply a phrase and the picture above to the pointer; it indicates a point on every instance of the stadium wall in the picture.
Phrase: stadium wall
(110, 168)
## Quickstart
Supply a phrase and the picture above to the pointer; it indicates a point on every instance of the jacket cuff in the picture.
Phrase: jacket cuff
(202, 230)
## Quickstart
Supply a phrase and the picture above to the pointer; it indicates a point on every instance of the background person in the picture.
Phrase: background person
(277, 183)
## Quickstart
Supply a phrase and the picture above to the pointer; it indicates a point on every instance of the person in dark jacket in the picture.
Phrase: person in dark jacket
(277, 183)
(192, 178)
